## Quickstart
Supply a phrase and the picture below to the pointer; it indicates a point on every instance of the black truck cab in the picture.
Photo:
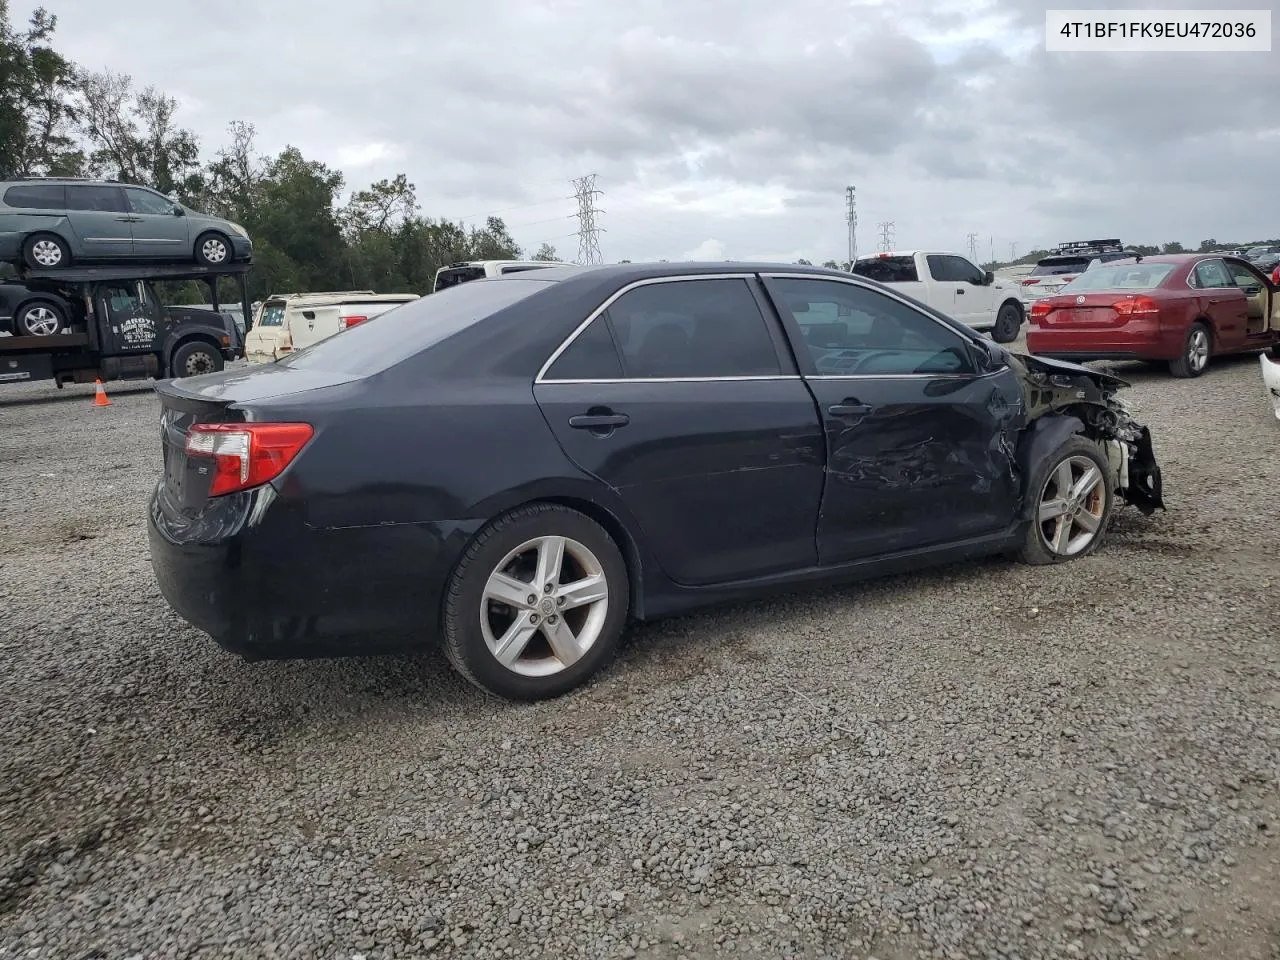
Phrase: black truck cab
(112, 325)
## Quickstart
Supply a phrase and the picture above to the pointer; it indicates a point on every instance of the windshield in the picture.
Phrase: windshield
(409, 329)
(1055, 266)
(1125, 276)
(453, 276)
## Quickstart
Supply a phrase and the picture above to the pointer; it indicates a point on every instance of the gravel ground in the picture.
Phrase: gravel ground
(983, 761)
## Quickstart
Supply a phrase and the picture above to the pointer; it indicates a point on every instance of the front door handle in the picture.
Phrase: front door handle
(850, 408)
(960, 290)
(599, 421)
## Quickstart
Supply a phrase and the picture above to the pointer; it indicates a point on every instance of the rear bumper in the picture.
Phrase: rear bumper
(1130, 342)
(263, 584)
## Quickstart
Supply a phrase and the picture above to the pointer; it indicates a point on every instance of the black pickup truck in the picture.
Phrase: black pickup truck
(99, 326)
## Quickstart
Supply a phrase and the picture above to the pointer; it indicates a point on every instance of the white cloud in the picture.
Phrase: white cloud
(709, 249)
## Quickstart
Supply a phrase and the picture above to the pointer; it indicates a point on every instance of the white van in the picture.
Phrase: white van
(457, 273)
(291, 321)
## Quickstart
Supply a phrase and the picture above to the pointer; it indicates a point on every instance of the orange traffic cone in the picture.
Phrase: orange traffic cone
(100, 398)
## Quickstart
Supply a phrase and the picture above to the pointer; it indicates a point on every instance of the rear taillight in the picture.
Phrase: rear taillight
(1133, 307)
(1031, 282)
(348, 322)
(246, 455)
(1040, 309)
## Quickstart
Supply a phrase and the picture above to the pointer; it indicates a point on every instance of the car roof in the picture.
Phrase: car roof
(624, 273)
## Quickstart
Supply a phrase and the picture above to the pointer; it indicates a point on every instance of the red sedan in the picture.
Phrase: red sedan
(1182, 309)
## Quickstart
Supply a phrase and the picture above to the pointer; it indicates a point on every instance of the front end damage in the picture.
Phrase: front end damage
(1065, 398)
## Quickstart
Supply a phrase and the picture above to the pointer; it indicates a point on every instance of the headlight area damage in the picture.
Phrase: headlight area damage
(1065, 398)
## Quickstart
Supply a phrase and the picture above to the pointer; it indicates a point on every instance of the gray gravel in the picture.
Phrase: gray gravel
(983, 761)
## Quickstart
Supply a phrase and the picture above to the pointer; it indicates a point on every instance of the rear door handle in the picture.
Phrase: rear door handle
(850, 408)
(960, 290)
(599, 421)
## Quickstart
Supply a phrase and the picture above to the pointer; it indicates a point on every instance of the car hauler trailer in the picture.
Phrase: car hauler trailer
(111, 325)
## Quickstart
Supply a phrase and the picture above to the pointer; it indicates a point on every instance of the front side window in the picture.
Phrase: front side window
(98, 198)
(124, 299)
(1212, 275)
(692, 328)
(954, 269)
(849, 329)
(144, 201)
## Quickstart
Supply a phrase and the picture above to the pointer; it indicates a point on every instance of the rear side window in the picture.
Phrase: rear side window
(272, 315)
(591, 356)
(400, 334)
(98, 198)
(888, 269)
(41, 196)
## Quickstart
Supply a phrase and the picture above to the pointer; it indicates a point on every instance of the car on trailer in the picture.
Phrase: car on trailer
(87, 324)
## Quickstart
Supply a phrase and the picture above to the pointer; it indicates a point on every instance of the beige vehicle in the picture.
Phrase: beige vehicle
(288, 322)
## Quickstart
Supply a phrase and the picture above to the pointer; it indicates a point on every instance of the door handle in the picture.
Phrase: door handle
(128, 219)
(599, 421)
(960, 290)
(850, 408)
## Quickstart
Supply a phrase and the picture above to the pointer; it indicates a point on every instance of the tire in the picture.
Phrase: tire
(39, 318)
(213, 250)
(195, 358)
(1197, 350)
(512, 547)
(1045, 541)
(45, 251)
(1008, 321)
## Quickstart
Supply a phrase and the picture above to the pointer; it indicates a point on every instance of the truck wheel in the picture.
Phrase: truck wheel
(195, 358)
(44, 251)
(39, 318)
(213, 250)
(1008, 320)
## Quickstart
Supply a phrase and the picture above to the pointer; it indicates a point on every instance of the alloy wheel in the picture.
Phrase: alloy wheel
(1072, 504)
(1198, 350)
(544, 606)
(40, 322)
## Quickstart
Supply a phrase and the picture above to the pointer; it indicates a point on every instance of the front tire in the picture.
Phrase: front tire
(40, 318)
(537, 603)
(44, 251)
(1197, 349)
(194, 359)
(1074, 496)
(1008, 320)
(213, 250)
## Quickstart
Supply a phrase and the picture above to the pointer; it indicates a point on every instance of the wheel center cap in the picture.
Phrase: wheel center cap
(547, 605)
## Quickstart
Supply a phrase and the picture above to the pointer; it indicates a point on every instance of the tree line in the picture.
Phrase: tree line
(58, 119)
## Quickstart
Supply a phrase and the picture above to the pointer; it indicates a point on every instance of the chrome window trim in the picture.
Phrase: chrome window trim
(771, 376)
(613, 298)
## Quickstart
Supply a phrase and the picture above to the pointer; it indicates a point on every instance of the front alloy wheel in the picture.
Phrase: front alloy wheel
(537, 603)
(1074, 498)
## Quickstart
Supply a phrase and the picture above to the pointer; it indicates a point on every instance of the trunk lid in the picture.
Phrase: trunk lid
(1092, 311)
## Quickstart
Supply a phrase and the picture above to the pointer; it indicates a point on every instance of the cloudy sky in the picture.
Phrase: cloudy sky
(728, 129)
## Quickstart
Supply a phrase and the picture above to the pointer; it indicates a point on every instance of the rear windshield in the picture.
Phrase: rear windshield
(413, 327)
(272, 315)
(888, 269)
(1121, 276)
(1053, 266)
(457, 275)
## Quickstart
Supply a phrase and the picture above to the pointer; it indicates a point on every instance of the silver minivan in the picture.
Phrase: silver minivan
(51, 223)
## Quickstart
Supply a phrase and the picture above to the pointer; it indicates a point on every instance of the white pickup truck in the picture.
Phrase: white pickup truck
(951, 284)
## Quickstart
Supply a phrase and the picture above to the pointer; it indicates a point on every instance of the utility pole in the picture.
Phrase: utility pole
(886, 228)
(1013, 252)
(584, 189)
(973, 247)
(992, 240)
(851, 217)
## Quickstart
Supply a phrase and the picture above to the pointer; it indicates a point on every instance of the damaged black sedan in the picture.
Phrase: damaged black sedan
(515, 466)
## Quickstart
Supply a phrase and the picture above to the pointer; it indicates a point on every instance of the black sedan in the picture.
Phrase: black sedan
(514, 466)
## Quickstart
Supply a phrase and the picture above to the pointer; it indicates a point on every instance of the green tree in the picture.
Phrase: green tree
(36, 133)
(546, 252)
(1173, 246)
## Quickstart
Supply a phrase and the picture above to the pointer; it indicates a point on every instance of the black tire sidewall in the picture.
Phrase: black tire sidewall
(463, 640)
(21, 330)
(177, 367)
(999, 331)
(1181, 367)
(199, 249)
(32, 240)
(1034, 550)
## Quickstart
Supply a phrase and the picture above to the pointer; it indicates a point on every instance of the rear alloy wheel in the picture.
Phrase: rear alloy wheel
(44, 251)
(1075, 495)
(1197, 348)
(537, 603)
(1008, 320)
(194, 359)
(39, 319)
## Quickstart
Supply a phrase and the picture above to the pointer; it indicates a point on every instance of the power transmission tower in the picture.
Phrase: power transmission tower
(851, 216)
(886, 228)
(973, 247)
(584, 189)
(1013, 252)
